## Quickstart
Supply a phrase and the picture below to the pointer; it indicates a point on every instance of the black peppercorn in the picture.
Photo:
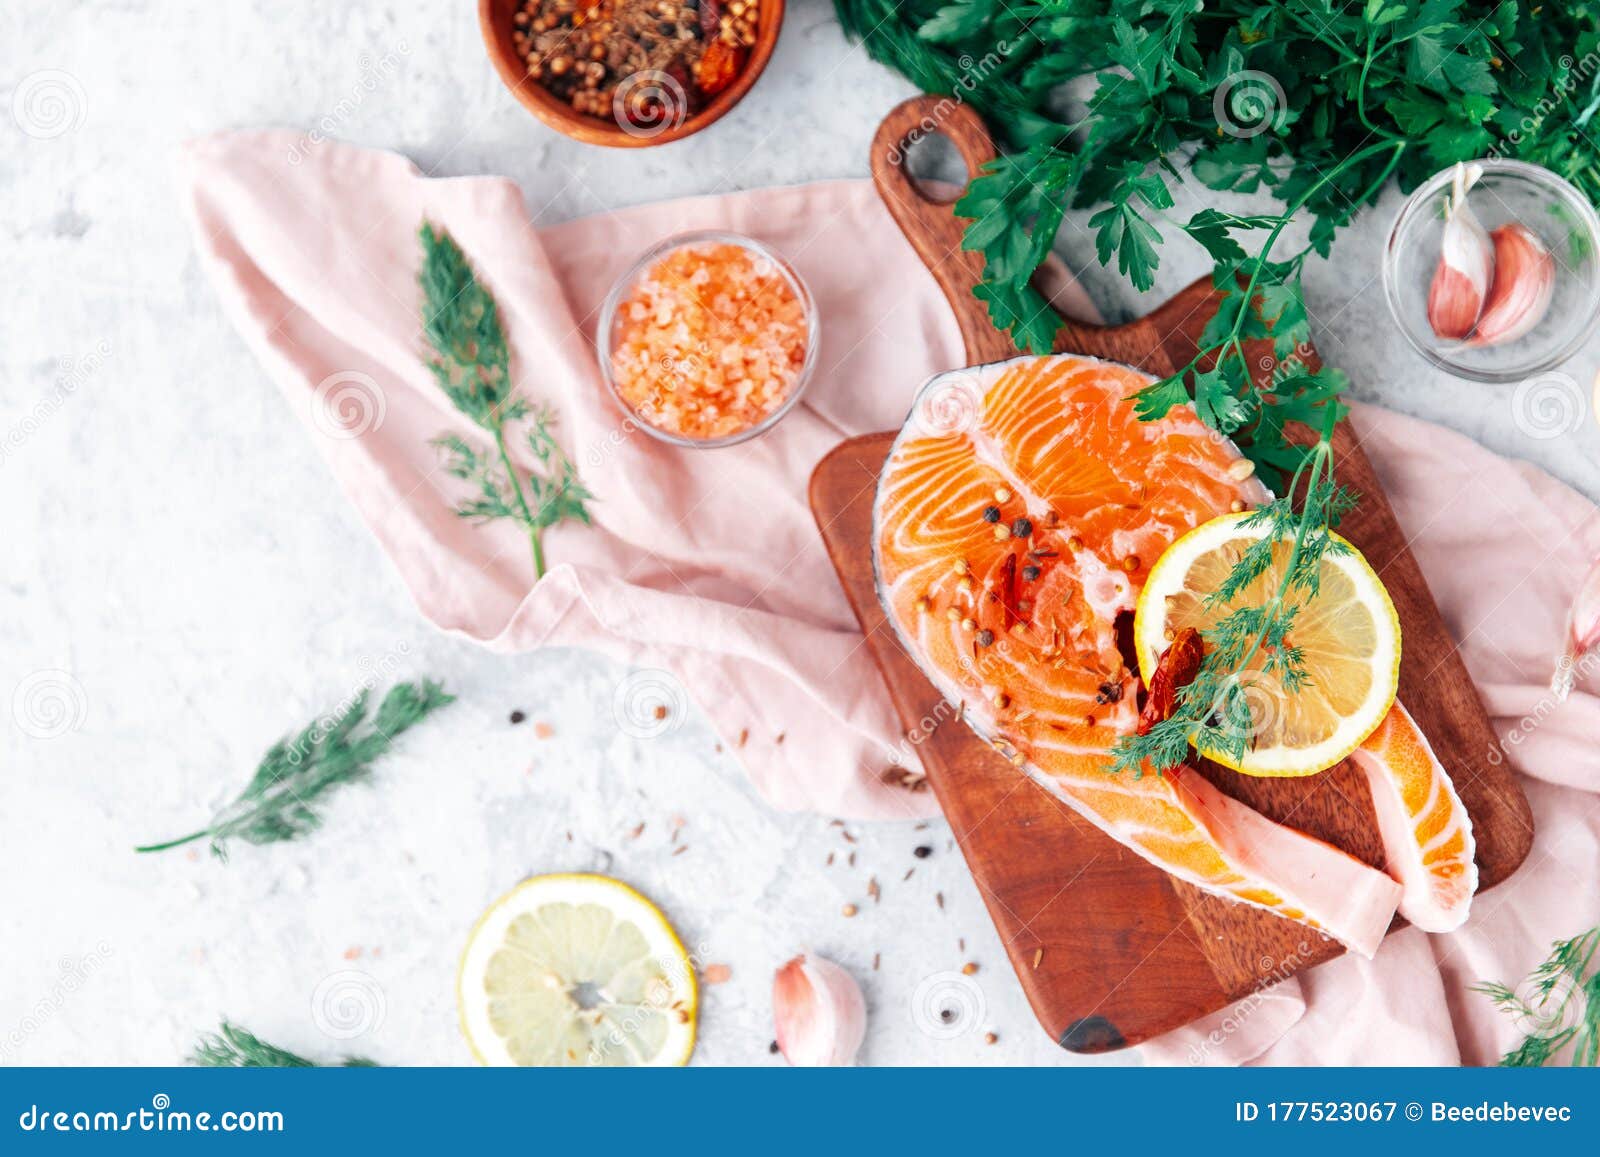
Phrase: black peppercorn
(1021, 528)
(985, 637)
(922, 851)
(517, 717)
(991, 514)
(1029, 573)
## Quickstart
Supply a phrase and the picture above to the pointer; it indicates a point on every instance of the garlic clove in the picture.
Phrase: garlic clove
(1583, 633)
(1466, 264)
(818, 1012)
(1524, 282)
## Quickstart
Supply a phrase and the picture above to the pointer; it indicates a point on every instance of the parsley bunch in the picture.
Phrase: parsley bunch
(1314, 102)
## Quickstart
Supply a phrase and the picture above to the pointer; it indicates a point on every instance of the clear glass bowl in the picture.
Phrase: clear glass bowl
(1509, 191)
(606, 334)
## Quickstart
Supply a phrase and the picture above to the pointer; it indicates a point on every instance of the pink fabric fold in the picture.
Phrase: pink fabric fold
(705, 568)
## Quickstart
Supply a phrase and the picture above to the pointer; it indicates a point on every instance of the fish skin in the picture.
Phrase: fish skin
(1426, 831)
(1058, 435)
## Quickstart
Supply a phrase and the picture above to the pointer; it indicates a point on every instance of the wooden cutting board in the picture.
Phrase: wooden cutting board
(1110, 950)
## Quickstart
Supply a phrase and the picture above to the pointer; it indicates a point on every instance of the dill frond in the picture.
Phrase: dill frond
(232, 1047)
(1562, 1006)
(472, 364)
(281, 800)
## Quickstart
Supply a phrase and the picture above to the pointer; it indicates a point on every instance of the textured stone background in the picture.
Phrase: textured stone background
(180, 576)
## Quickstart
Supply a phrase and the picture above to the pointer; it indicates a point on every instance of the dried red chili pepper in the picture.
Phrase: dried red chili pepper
(1175, 669)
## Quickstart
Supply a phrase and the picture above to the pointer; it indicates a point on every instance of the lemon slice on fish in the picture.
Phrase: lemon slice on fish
(1348, 635)
(576, 970)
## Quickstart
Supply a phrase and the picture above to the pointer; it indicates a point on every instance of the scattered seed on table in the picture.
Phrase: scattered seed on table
(907, 876)
(773, 1048)
(517, 717)
(569, 835)
(779, 741)
(970, 968)
(876, 957)
(1038, 955)
(660, 711)
(543, 730)
(938, 898)
(990, 1038)
(849, 910)
(852, 860)
(922, 851)
(873, 890)
(717, 974)
(637, 832)
(922, 827)
(744, 737)
(680, 849)
(830, 859)
(848, 838)
(961, 944)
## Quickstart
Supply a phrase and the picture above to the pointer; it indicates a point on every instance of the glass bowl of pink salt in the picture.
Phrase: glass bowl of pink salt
(708, 340)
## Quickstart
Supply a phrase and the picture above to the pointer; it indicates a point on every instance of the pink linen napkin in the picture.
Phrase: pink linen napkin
(705, 569)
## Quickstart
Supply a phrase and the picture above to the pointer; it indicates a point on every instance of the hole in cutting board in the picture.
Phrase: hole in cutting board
(935, 167)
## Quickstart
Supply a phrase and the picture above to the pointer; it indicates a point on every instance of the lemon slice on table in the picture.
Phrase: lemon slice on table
(1348, 635)
(576, 970)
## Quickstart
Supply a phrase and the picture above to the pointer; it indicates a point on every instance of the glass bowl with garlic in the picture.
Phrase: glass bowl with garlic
(1493, 270)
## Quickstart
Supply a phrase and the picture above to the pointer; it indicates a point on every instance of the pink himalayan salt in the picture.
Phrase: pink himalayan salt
(711, 340)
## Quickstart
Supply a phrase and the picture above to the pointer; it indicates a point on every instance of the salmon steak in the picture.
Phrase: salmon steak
(1018, 514)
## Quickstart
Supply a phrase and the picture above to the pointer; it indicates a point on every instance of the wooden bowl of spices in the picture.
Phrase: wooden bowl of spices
(629, 73)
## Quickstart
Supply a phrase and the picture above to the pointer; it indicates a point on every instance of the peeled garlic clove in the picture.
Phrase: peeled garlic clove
(1524, 281)
(1583, 632)
(819, 1013)
(1466, 264)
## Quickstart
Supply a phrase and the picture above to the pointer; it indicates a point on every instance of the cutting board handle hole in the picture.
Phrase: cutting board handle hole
(934, 167)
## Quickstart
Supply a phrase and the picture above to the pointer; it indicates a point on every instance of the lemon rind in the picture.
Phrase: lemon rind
(638, 902)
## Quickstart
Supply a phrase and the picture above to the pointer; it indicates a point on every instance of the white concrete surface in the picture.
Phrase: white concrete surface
(181, 580)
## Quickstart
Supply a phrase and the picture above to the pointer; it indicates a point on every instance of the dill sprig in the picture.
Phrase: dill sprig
(232, 1047)
(280, 802)
(472, 364)
(1212, 712)
(1561, 1009)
